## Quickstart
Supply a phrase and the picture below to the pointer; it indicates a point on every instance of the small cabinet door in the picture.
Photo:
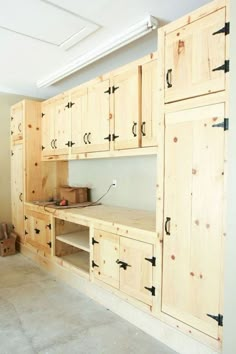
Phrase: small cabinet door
(17, 188)
(106, 254)
(193, 57)
(127, 109)
(17, 122)
(62, 125)
(97, 125)
(48, 133)
(149, 104)
(136, 278)
(38, 230)
(194, 212)
(79, 118)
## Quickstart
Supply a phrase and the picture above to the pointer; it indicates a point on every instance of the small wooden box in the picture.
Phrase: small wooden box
(74, 194)
(7, 246)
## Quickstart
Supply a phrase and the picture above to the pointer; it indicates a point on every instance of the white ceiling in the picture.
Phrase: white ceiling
(39, 37)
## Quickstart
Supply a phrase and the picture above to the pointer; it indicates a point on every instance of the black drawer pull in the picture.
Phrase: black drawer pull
(143, 129)
(167, 225)
(169, 78)
(134, 127)
(85, 137)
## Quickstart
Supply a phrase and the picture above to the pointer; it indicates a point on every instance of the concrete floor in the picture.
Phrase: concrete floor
(39, 314)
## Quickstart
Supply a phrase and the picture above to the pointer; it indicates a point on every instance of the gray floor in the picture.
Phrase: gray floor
(39, 314)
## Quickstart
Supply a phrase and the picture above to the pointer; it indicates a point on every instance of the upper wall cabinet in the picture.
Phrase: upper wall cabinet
(149, 104)
(17, 122)
(127, 109)
(90, 118)
(195, 56)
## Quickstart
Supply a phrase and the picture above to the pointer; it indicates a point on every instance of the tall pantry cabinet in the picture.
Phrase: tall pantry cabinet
(31, 179)
(193, 111)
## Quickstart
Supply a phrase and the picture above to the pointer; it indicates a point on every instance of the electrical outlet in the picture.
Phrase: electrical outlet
(114, 183)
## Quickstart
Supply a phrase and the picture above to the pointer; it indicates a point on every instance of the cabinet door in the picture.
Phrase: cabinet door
(48, 134)
(79, 118)
(149, 104)
(38, 230)
(137, 277)
(96, 128)
(62, 125)
(106, 254)
(192, 53)
(193, 207)
(17, 188)
(127, 109)
(17, 122)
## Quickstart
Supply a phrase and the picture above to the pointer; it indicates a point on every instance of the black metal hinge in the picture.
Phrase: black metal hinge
(94, 264)
(108, 137)
(114, 88)
(49, 244)
(108, 90)
(224, 67)
(94, 241)
(49, 226)
(152, 260)
(225, 29)
(37, 231)
(69, 143)
(218, 318)
(26, 217)
(42, 147)
(152, 290)
(224, 124)
(12, 153)
(12, 118)
(114, 137)
(26, 233)
(12, 132)
(42, 115)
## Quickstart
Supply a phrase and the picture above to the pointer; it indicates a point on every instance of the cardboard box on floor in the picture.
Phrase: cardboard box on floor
(7, 241)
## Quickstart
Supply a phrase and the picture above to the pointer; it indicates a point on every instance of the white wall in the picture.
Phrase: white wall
(136, 176)
(230, 255)
(6, 101)
(136, 180)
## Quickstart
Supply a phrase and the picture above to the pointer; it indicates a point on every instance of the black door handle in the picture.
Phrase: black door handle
(134, 129)
(169, 78)
(84, 137)
(167, 225)
(88, 138)
(143, 129)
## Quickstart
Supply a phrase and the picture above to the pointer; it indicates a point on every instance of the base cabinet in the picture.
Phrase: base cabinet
(38, 230)
(125, 264)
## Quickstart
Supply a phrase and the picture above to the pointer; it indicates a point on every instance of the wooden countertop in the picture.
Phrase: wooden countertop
(115, 219)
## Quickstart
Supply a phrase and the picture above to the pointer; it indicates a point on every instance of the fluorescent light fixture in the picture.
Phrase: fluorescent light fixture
(134, 32)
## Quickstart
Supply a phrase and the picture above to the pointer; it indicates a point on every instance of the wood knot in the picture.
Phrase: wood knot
(192, 274)
(197, 222)
(201, 276)
(173, 257)
(175, 139)
(194, 172)
(36, 164)
(207, 226)
(29, 126)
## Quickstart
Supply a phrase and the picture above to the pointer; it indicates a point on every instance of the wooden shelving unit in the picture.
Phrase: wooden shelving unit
(79, 239)
(79, 260)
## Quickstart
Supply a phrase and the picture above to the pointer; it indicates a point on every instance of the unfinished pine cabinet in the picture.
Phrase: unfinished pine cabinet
(17, 122)
(17, 189)
(37, 230)
(194, 215)
(195, 54)
(149, 127)
(125, 264)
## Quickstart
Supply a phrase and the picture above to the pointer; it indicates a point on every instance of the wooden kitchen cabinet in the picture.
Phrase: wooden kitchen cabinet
(195, 55)
(56, 126)
(125, 264)
(149, 104)
(126, 91)
(17, 122)
(194, 216)
(37, 230)
(17, 189)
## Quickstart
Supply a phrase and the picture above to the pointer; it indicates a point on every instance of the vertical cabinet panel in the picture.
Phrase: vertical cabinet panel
(17, 122)
(79, 118)
(17, 190)
(48, 133)
(194, 199)
(149, 104)
(106, 253)
(137, 277)
(62, 122)
(127, 109)
(97, 127)
(192, 53)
